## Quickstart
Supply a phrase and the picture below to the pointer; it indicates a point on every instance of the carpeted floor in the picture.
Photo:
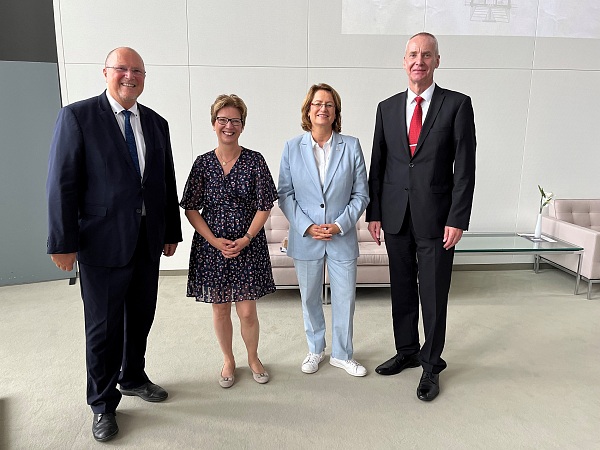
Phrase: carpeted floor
(523, 371)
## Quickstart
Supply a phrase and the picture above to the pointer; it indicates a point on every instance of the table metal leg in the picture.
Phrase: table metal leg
(536, 263)
(326, 300)
(578, 276)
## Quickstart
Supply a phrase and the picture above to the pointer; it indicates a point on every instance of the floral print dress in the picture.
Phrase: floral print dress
(228, 204)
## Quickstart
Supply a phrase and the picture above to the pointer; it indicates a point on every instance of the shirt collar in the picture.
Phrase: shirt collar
(116, 106)
(327, 144)
(426, 95)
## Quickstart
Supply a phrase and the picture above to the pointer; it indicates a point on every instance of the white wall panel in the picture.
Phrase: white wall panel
(264, 33)
(273, 97)
(361, 91)
(82, 81)
(155, 28)
(562, 147)
(328, 47)
(500, 103)
(568, 54)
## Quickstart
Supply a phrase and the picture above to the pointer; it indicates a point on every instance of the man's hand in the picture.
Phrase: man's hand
(64, 261)
(375, 230)
(451, 236)
(169, 249)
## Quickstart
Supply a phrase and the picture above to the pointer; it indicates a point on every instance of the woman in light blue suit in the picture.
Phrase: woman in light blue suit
(322, 192)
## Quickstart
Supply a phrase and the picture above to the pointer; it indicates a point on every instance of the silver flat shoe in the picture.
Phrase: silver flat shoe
(260, 378)
(226, 382)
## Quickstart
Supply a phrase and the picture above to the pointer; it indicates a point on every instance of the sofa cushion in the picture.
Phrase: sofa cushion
(279, 258)
(582, 212)
(372, 254)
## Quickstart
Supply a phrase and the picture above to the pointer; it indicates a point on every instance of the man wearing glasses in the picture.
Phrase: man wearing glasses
(112, 205)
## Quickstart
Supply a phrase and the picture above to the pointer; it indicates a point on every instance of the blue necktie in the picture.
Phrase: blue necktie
(130, 139)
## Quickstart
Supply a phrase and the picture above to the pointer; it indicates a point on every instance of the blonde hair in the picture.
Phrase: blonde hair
(337, 100)
(225, 100)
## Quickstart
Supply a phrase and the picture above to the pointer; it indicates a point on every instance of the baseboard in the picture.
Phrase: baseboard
(457, 267)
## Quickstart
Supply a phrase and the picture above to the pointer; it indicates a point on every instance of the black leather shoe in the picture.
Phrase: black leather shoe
(104, 426)
(397, 364)
(148, 391)
(429, 386)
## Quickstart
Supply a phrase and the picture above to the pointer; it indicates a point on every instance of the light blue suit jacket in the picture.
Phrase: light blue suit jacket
(342, 199)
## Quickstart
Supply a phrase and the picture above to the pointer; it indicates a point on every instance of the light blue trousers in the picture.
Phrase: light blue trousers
(342, 276)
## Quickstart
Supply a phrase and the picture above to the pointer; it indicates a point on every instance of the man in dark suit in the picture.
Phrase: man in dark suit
(112, 204)
(421, 183)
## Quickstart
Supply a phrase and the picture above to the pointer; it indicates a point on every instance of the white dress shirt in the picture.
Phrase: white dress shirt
(322, 157)
(136, 125)
(410, 104)
(322, 160)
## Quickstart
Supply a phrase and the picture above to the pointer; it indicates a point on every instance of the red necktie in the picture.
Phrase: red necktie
(415, 126)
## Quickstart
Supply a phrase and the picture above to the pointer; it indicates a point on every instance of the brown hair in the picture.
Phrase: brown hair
(225, 100)
(337, 123)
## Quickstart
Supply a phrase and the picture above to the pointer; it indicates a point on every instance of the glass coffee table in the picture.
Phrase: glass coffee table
(518, 244)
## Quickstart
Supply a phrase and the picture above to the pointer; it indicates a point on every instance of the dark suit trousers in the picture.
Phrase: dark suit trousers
(119, 305)
(411, 258)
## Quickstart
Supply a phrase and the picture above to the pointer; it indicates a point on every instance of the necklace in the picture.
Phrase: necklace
(222, 160)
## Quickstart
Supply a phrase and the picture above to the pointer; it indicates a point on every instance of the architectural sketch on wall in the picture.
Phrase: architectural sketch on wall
(490, 10)
(542, 18)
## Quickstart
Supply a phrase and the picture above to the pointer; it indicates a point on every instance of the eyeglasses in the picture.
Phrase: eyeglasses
(123, 70)
(321, 105)
(225, 121)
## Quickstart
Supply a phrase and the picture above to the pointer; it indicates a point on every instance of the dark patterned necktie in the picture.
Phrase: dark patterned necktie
(130, 139)
(415, 126)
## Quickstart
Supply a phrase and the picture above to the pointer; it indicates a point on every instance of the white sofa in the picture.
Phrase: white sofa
(576, 221)
(372, 263)
(276, 229)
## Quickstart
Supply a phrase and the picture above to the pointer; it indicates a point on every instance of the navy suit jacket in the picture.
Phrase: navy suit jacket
(438, 181)
(94, 193)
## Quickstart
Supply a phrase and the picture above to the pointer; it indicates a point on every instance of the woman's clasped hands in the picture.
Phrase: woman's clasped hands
(228, 248)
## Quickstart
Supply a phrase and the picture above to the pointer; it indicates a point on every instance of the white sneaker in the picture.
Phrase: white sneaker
(351, 366)
(311, 362)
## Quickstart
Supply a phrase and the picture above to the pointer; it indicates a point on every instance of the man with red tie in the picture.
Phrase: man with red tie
(421, 184)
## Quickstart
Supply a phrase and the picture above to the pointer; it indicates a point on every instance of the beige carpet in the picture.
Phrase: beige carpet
(523, 371)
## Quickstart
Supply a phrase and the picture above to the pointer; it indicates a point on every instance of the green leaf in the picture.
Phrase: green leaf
(542, 191)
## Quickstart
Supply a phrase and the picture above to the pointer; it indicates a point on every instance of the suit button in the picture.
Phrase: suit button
(322, 205)
(406, 189)
(411, 165)
(139, 211)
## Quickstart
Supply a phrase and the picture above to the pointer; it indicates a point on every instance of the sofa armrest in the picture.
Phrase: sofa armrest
(583, 237)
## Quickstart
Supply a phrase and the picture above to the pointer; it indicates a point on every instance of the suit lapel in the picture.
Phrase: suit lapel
(436, 103)
(308, 157)
(335, 156)
(148, 132)
(400, 119)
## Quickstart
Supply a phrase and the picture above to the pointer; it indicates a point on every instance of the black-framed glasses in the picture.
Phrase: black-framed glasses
(123, 70)
(225, 121)
(320, 105)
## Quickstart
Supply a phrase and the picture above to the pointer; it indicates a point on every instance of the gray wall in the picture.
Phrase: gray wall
(29, 101)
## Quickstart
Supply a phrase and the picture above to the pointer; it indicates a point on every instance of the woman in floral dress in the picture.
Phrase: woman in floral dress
(227, 199)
